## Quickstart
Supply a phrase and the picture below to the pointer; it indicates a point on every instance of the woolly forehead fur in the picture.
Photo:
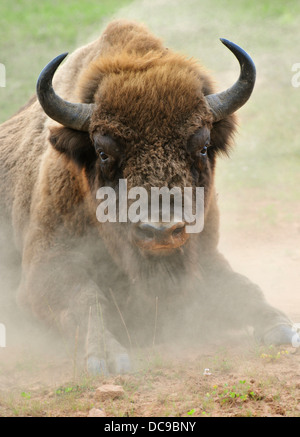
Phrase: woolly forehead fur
(155, 94)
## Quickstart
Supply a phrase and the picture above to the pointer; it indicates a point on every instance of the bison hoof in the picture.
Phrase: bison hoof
(119, 365)
(122, 364)
(96, 366)
(282, 334)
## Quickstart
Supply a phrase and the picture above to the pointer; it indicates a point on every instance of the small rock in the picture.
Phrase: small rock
(279, 410)
(96, 412)
(269, 398)
(109, 391)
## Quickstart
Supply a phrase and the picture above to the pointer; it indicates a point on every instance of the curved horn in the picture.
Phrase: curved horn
(229, 101)
(74, 115)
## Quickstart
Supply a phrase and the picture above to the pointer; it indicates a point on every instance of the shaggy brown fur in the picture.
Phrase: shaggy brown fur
(150, 102)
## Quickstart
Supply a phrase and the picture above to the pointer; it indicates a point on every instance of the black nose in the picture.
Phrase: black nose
(159, 231)
(152, 236)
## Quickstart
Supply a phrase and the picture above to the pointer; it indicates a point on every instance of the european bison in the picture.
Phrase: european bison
(125, 107)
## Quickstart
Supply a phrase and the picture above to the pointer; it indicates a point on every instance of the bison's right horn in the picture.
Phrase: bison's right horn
(74, 115)
(228, 101)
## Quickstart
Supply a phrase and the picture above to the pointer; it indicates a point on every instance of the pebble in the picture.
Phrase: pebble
(109, 391)
(96, 412)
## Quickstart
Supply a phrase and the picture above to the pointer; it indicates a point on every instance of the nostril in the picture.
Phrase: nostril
(178, 231)
(147, 233)
(143, 231)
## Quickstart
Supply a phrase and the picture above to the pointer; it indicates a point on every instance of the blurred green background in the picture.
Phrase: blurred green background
(260, 185)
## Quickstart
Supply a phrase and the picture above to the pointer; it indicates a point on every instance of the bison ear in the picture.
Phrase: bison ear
(75, 145)
(222, 134)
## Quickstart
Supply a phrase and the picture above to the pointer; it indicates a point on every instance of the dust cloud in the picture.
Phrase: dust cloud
(265, 251)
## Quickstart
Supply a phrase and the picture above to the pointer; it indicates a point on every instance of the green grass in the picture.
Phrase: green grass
(33, 32)
(261, 180)
(259, 186)
(265, 162)
(263, 10)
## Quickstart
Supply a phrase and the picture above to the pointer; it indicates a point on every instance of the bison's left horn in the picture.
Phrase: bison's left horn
(229, 101)
(74, 115)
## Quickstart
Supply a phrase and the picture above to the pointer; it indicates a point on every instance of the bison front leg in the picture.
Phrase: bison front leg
(238, 303)
(60, 292)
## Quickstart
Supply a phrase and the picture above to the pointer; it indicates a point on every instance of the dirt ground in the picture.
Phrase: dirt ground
(241, 377)
(230, 375)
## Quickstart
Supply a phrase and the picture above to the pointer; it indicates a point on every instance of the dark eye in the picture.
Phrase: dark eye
(203, 151)
(103, 156)
(198, 144)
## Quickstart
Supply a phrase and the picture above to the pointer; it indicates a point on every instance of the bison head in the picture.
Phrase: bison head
(151, 118)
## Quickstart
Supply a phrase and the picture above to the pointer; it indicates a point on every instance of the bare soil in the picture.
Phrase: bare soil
(244, 379)
(241, 377)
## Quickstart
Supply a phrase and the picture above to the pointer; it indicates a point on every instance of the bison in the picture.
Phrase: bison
(125, 107)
